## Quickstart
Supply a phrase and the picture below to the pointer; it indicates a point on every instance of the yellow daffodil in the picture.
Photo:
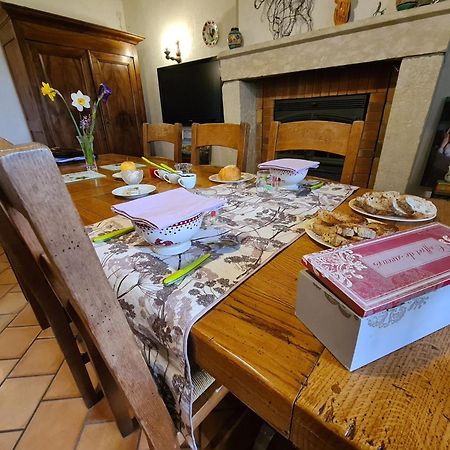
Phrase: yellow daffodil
(46, 89)
(80, 101)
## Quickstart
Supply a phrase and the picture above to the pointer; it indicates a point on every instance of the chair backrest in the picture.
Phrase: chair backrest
(332, 137)
(228, 135)
(163, 132)
(32, 186)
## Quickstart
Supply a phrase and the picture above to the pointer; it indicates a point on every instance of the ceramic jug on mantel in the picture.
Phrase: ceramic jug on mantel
(234, 38)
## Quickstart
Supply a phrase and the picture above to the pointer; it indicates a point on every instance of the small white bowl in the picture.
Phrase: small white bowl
(132, 176)
(289, 179)
(174, 239)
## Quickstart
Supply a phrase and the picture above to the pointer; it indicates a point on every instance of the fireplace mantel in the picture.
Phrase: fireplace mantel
(418, 37)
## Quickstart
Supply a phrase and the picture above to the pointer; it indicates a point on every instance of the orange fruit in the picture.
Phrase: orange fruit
(127, 165)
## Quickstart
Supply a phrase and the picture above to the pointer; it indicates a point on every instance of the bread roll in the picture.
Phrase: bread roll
(230, 173)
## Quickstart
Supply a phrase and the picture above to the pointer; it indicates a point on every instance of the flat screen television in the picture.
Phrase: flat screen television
(191, 92)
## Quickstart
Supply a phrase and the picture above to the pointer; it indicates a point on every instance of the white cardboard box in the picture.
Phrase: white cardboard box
(356, 341)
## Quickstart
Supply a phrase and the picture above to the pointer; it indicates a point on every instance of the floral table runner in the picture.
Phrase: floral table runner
(162, 316)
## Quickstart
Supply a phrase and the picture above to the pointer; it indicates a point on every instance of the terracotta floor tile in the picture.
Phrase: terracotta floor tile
(63, 385)
(12, 303)
(106, 436)
(26, 317)
(4, 288)
(48, 333)
(14, 342)
(100, 412)
(8, 277)
(6, 366)
(42, 358)
(8, 440)
(56, 425)
(19, 398)
(5, 319)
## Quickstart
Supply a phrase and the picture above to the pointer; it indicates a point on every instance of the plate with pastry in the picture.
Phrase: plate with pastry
(333, 229)
(391, 205)
(231, 174)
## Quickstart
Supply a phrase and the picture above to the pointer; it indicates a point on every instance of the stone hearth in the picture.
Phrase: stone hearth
(417, 38)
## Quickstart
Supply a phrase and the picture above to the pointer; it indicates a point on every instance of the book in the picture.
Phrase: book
(375, 275)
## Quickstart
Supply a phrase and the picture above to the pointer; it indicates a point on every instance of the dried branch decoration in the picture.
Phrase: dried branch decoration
(283, 14)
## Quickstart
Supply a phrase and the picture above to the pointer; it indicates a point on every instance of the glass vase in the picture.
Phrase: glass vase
(87, 146)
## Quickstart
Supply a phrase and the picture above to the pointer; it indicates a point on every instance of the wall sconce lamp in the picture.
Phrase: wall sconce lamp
(177, 56)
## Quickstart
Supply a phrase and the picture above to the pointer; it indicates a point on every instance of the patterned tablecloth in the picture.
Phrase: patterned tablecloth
(162, 316)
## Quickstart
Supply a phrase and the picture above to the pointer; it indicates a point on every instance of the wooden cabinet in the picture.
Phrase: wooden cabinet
(72, 55)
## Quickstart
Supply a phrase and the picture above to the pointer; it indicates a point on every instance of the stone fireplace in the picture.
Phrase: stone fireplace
(399, 60)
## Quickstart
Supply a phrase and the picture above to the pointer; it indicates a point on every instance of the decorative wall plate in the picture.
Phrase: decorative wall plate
(210, 33)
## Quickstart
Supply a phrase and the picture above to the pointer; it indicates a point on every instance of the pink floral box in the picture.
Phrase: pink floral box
(375, 275)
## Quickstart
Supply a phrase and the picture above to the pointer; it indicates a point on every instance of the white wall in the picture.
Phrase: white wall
(162, 22)
(165, 22)
(254, 26)
(104, 12)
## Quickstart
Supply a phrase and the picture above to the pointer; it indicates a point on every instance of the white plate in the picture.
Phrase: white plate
(357, 209)
(244, 177)
(307, 225)
(117, 176)
(133, 191)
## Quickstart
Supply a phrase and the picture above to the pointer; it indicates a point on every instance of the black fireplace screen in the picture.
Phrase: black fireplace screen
(340, 108)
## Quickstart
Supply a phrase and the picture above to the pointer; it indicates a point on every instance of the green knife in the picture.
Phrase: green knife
(165, 166)
(317, 186)
(113, 234)
(156, 166)
(170, 279)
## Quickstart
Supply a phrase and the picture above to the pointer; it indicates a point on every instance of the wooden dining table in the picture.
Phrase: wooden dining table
(253, 343)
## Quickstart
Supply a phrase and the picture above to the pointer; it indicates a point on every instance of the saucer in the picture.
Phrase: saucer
(133, 191)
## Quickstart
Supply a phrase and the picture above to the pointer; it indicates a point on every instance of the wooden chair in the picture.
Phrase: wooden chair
(65, 255)
(15, 232)
(58, 256)
(29, 295)
(228, 135)
(163, 132)
(332, 137)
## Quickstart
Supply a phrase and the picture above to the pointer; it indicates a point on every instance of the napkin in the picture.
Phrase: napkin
(167, 208)
(296, 165)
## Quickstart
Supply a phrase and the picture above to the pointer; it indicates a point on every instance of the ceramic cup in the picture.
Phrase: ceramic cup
(171, 177)
(167, 176)
(188, 180)
(132, 176)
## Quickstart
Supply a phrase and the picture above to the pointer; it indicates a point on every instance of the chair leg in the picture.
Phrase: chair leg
(75, 360)
(38, 311)
(116, 399)
(114, 395)
(265, 435)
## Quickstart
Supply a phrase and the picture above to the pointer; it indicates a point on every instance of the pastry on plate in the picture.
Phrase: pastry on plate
(229, 173)
(392, 203)
(338, 229)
